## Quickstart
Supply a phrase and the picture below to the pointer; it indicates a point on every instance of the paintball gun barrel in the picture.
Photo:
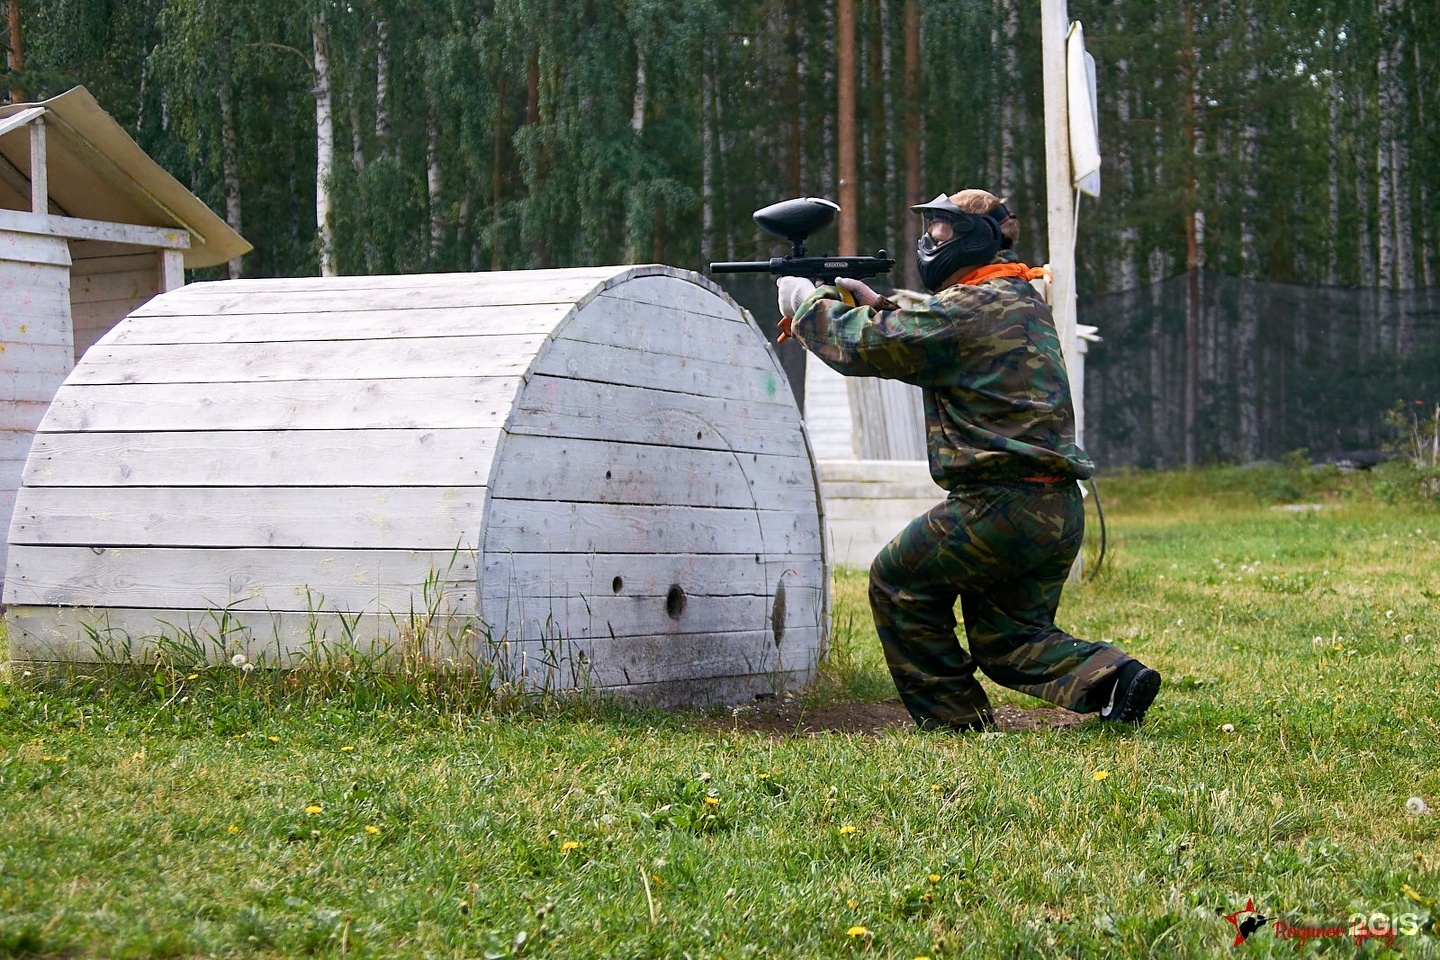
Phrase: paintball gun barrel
(795, 220)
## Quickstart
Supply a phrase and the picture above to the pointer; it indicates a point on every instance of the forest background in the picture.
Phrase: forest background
(1261, 263)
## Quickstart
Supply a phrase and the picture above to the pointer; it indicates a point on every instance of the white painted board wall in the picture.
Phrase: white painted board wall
(597, 475)
(36, 346)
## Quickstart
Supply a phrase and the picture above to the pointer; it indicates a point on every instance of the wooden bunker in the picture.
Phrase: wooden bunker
(591, 477)
(90, 228)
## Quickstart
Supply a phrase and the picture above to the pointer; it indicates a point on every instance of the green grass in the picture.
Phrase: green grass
(210, 816)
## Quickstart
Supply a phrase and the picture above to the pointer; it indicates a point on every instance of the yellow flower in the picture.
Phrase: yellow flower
(569, 845)
(852, 904)
(193, 676)
(934, 878)
(847, 829)
(712, 801)
(346, 749)
(763, 776)
(313, 809)
(372, 830)
(273, 739)
(857, 931)
(232, 829)
(1101, 775)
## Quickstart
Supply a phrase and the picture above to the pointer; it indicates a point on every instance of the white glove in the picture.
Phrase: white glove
(864, 296)
(793, 291)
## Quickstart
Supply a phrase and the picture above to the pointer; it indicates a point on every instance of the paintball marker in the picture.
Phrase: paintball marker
(795, 220)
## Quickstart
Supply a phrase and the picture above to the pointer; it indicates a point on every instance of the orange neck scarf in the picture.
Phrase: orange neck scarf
(992, 270)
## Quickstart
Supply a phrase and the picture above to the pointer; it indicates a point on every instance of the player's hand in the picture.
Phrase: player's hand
(865, 296)
(792, 293)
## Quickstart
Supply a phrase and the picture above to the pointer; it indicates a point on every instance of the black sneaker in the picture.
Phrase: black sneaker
(1135, 689)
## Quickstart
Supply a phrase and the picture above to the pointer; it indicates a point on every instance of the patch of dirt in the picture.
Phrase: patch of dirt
(785, 717)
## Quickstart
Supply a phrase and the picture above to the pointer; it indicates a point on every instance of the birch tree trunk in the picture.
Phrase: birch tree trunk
(324, 145)
(382, 85)
(230, 168)
(434, 182)
(1009, 105)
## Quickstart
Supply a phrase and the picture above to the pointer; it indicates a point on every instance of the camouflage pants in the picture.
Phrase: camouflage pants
(1005, 550)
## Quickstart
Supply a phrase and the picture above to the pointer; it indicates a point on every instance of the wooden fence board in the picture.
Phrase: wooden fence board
(264, 458)
(350, 360)
(332, 581)
(427, 518)
(380, 404)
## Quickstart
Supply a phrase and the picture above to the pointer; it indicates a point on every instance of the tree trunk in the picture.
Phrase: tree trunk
(845, 127)
(15, 59)
(913, 137)
(324, 146)
(1192, 245)
(885, 129)
(1006, 183)
(230, 169)
(633, 194)
(434, 183)
(382, 85)
(497, 168)
(707, 162)
(1388, 84)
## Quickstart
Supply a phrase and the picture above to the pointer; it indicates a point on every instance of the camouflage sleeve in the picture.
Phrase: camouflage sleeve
(914, 344)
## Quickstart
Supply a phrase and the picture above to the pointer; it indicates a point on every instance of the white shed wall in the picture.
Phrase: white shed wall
(36, 347)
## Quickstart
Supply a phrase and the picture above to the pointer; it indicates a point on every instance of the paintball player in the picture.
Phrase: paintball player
(1001, 439)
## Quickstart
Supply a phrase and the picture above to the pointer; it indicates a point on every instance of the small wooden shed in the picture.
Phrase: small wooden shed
(90, 228)
(595, 477)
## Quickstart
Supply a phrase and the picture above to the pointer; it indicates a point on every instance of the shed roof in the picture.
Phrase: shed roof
(97, 172)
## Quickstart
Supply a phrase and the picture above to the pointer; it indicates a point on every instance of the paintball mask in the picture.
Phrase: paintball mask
(953, 239)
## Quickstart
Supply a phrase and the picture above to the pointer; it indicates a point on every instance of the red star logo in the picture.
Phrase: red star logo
(1234, 919)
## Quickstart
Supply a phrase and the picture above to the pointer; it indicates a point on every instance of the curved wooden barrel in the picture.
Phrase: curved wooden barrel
(583, 478)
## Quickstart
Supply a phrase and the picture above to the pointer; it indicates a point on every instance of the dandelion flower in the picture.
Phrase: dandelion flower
(313, 809)
(273, 739)
(569, 845)
(238, 660)
(857, 931)
(847, 829)
(193, 676)
(346, 749)
(1228, 728)
(246, 667)
(852, 904)
(933, 878)
(1417, 805)
(712, 801)
(372, 829)
(1101, 775)
(232, 829)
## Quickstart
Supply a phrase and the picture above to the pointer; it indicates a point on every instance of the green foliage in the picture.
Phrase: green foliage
(482, 134)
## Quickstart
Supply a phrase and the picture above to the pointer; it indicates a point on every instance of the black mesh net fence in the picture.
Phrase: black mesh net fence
(1205, 368)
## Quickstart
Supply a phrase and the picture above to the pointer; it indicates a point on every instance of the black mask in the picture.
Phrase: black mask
(975, 242)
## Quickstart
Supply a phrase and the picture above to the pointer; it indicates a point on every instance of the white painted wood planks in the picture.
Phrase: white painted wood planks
(605, 456)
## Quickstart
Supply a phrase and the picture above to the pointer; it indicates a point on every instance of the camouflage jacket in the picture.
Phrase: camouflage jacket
(988, 360)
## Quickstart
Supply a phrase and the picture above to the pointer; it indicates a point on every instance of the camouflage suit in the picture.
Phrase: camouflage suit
(1001, 439)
